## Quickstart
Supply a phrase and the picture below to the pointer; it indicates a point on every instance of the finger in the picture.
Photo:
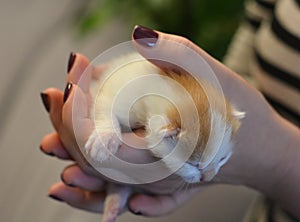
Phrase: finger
(55, 102)
(158, 46)
(80, 72)
(52, 145)
(172, 48)
(76, 115)
(73, 176)
(179, 51)
(77, 125)
(77, 197)
(159, 205)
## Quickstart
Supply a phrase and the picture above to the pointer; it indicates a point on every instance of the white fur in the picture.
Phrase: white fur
(109, 113)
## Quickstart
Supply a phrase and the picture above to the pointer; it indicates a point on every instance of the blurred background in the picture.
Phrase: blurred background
(36, 39)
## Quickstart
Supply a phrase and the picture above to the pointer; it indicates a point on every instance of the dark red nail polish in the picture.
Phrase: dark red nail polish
(67, 91)
(135, 212)
(70, 185)
(144, 36)
(62, 178)
(71, 61)
(49, 154)
(55, 198)
(45, 100)
(65, 182)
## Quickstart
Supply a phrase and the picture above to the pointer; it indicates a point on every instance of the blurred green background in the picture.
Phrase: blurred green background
(208, 23)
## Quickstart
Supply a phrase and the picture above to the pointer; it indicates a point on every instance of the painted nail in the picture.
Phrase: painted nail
(45, 100)
(65, 182)
(67, 91)
(144, 36)
(49, 154)
(55, 198)
(135, 212)
(71, 61)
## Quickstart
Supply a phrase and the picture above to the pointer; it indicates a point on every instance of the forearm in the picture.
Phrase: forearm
(286, 192)
(267, 157)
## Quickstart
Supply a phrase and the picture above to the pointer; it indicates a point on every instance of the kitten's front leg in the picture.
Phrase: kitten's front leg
(105, 139)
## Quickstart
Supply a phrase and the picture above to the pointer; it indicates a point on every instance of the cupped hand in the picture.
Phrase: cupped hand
(82, 186)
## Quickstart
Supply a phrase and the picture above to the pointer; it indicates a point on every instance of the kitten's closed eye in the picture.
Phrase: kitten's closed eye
(169, 132)
(194, 163)
(224, 159)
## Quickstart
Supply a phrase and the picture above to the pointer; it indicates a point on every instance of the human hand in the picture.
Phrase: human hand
(89, 194)
(82, 186)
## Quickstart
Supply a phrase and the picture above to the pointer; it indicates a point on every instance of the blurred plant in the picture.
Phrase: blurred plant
(209, 23)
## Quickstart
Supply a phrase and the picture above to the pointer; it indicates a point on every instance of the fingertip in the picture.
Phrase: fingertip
(159, 48)
(141, 204)
(81, 71)
(154, 206)
(49, 153)
(74, 176)
(64, 176)
(65, 193)
(53, 102)
(67, 91)
(56, 198)
(77, 197)
(164, 50)
(76, 114)
(56, 189)
(144, 36)
(45, 101)
(52, 146)
(71, 60)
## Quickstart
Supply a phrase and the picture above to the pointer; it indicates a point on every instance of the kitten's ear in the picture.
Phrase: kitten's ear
(169, 132)
(238, 115)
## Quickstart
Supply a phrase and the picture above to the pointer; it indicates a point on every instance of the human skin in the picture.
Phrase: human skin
(266, 155)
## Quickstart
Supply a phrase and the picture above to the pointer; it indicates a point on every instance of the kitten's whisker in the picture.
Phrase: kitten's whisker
(186, 187)
(181, 186)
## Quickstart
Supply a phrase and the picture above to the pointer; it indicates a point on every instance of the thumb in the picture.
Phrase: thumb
(166, 50)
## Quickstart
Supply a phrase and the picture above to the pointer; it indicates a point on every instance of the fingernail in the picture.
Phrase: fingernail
(71, 61)
(135, 212)
(49, 154)
(45, 100)
(55, 198)
(144, 36)
(67, 91)
(65, 182)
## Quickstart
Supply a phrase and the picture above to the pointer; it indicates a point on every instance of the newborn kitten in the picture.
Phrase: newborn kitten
(161, 119)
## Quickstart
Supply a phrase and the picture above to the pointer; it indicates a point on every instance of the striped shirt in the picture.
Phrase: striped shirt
(266, 50)
(267, 47)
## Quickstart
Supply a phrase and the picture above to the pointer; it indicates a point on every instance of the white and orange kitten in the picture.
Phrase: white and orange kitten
(159, 116)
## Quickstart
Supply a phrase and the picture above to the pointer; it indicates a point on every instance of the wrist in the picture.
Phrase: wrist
(256, 156)
(268, 160)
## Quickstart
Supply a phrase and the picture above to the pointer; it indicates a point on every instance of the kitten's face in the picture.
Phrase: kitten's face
(193, 171)
(200, 166)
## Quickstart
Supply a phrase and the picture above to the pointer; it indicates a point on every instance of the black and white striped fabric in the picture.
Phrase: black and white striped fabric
(267, 47)
(266, 50)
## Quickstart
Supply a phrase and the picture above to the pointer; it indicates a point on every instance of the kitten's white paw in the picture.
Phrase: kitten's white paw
(101, 145)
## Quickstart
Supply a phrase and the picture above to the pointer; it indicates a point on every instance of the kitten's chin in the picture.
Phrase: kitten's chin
(195, 179)
(189, 173)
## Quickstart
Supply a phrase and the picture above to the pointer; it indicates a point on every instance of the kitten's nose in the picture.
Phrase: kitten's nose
(207, 176)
